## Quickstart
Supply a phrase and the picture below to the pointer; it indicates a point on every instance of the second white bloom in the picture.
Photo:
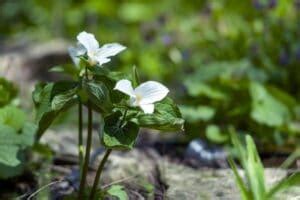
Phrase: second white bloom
(145, 95)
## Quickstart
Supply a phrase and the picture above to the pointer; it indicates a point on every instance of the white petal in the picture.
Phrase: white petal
(151, 91)
(74, 52)
(125, 86)
(88, 40)
(101, 60)
(108, 50)
(147, 108)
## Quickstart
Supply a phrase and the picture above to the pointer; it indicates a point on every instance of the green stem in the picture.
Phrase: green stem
(80, 137)
(87, 153)
(98, 174)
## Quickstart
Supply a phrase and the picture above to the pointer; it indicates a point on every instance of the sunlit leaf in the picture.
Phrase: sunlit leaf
(118, 133)
(266, 109)
(13, 117)
(118, 191)
(214, 134)
(197, 113)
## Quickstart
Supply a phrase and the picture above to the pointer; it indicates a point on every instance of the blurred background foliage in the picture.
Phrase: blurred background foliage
(227, 62)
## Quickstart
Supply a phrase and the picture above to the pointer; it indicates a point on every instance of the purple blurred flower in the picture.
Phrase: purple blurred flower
(167, 39)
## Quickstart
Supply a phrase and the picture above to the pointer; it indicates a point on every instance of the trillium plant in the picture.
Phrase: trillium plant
(124, 104)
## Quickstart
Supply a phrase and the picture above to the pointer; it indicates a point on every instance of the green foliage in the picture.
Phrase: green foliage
(118, 133)
(213, 133)
(194, 114)
(98, 94)
(166, 117)
(266, 109)
(13, 117)
(16, 133)
(7, 92)
(255, 187)
(12, 144)
(117, 191)
(50, 100)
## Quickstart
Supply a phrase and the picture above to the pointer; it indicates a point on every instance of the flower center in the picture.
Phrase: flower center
(138, 98)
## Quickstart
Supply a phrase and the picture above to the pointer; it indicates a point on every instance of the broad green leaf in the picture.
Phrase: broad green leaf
(60, 100)
(98, 95)
(13, 117)
(213, 133)
(8, 155)
(197, 113)
(46, 110)
(166, 117)
(266, 109)
(103, 74)
(118, 191)
(27, 135)
(11, 142)
(293, 180)
(118, 133)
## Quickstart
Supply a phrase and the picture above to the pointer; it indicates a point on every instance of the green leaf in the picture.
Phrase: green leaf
(202, 89)
(7, 92)
(11, 142)
(293, 180)
(266, 109)
(7, 171)
(118, 133)
(118, 191)
(8, 155)
(254, 170)
(194, 114)
(70, 70)
(60, 100)
(28, 134)
(99, 95)
(239, 181)
(166, 117)
(12, 116)
(214, 134)
(50, 100)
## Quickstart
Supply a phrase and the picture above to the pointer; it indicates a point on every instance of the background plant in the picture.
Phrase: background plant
(17, 133)
(253, 186)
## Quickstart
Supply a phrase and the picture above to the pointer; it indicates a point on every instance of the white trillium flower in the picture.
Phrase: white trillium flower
(145, 95)
(95, 53)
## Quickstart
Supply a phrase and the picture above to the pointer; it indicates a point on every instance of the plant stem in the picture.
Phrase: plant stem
(98, 174)
(80, 137)
(87, 153)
